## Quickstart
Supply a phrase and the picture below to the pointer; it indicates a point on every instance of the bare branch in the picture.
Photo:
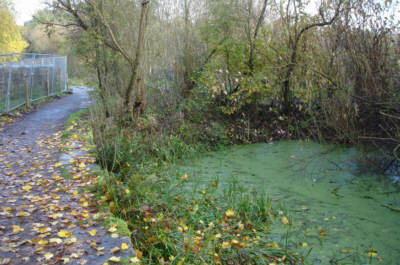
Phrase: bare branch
(114, 44)
(324, 22)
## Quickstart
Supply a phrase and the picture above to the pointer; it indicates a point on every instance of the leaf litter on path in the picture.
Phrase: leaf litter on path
(44, 219)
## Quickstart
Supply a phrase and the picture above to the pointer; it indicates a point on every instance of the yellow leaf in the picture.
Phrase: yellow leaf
(112, 229)
(64, 234)
(48, 255)
(226, 244)
(43, 230)
(230, 213)
(217, 236)
(56, 215)
(22, 214)
(92, 232)
(184, 177)
(8, 209)
(135, 260)
(55, 240)
(124, 246)
(17, 229)
(285, 220)
(85, 204)
(71, 241)
(272, 245)
(43, 242)
(114, 259)
(27, 188)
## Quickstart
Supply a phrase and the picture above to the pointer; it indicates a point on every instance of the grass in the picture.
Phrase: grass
(173, 220)
(74, 120)
(65, 173)
(121, 226)
(83, 83)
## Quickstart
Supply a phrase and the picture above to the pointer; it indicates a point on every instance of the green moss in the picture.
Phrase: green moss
(65, 173)
(122, 227)
(74, 118)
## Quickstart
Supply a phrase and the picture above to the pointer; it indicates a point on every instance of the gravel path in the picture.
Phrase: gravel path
(44, 218)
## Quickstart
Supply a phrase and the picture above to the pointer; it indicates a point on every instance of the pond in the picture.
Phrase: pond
(342, 217)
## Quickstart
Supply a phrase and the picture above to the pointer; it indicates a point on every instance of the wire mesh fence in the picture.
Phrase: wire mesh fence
(27, 77)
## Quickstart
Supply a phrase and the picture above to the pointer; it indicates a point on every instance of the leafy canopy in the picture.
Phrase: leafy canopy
(10, 33)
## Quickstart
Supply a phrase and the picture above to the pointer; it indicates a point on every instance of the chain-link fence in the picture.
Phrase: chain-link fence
(25, 78)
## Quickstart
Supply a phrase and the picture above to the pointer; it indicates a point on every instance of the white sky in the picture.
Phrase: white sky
(25, 9)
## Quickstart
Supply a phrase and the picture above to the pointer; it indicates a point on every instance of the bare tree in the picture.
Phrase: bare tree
(83, 13)
(296, 32)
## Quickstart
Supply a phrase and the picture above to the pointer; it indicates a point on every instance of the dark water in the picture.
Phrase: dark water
(343, 217)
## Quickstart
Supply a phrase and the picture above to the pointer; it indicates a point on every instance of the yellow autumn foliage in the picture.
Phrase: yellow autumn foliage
(10, 33)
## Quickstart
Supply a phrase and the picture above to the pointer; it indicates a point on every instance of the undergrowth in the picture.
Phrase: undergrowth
(174, 221)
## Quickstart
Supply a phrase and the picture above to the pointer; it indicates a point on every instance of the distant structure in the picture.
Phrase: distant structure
(27, 77)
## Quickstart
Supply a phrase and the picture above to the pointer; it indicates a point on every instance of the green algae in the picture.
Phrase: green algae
(343, 218)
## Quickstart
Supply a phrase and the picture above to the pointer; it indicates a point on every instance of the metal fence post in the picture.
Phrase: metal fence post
(65, 73)
(52, 76)
(48, 82)
(27, 97)
(7, 105)
(31, 77)
(60, 80)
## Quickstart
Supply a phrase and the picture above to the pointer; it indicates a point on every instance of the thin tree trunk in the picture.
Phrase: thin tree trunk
(287, 101)
(252, 41)
(135, 67)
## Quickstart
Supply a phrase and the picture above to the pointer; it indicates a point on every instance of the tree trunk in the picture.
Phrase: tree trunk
(187, 60)
(287, 100)
(135, 67)
(252, 41)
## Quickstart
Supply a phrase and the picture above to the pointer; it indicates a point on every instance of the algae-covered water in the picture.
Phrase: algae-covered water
(345, 218)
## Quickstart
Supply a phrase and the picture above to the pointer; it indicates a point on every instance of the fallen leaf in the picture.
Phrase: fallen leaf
(285, 220)
(92, 232)
(230, 213)
(48, 255)
(64, 234)
(114, 259)
(114, 250)
(71, 241)
(135, 260)
(17, 229)
(22, 214)
(55, 240)
(138, 253)
(124, 246)
(226, 245)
